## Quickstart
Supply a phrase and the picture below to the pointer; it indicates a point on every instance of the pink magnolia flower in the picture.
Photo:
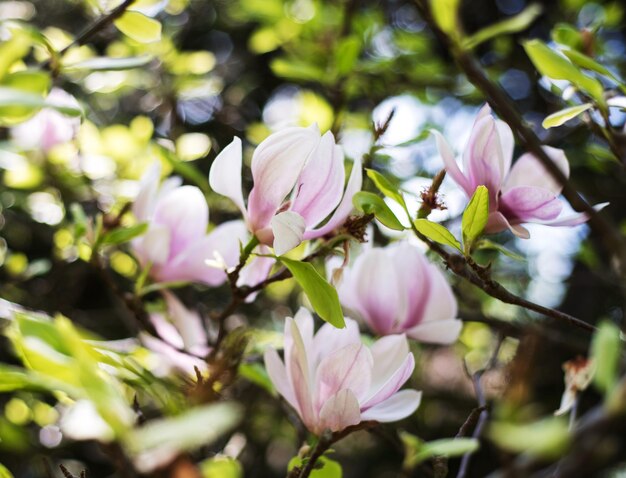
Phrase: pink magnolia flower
(48, 127)
(396, 290)
(334, 381)
(523, 193)
(176, 245)
(298, 182)
(182, 337)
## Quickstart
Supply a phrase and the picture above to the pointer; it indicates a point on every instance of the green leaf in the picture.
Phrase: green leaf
(487, 244)
(103, 63)
(564, 115)
(256, 373)
(589, 63)
(475, 217)
(446, 16)
(192, 429)
(347, 54)
(385, 187)
(14, 98)
(568, 35)
(547, 438)
(370, 203)
(554, 65)
(436, 232)
(4, 472)
(297, 70)
(124, 234)
(329, 468)
(605, 351)
(515, 24)
(321, 294)
(221, 467)
(417, 451)
(139, 27)
(13, 50)
(80, 220)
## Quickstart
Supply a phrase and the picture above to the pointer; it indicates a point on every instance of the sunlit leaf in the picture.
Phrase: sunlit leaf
(436, 232)
(606, 346)
(475, 217)
(385, 186)
(564, 115)
(547, 438)
(555, 66)
(139, 27)
(124, 234)
(325, 467)
(103, 63)
(516, 23)
(445, 13)
(347, 54)
(370, 203)
(321, 294)
(221, 467)
(487, 244)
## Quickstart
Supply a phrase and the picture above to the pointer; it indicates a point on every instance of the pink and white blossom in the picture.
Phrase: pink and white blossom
(48, 127)
(520, 193)
(182, 338)
(298, 179)
(396, 290)
(334, 381)
(177, 246)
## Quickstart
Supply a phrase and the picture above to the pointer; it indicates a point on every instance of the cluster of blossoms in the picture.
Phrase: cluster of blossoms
(300, 193)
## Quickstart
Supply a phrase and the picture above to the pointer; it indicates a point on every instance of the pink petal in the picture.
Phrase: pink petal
(288, 229)
(339, 412)
(225, 174)
(154, 246)
(191, 265)
(185, 213)
(394, 381)
(441, 303)
(444, 331)
(529, 171)
(188, 323)
(278, 375)
(397, 407)
(166, 331)
(172, 357)
(144, 203)
(507, 142)
(452, 168)
(347, 368)
(572, 219)
(329, 339)
(412, 271)
(345, 206)
(320, 185)
(483, 160)
(382, 298)
(299, 374)
(276, 165)
(527, 204)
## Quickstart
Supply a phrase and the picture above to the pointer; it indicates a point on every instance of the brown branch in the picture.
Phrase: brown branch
(503, 105)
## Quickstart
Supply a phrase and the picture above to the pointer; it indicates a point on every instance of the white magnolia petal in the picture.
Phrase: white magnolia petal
(225, 174)
(288, 228)
(397, 407)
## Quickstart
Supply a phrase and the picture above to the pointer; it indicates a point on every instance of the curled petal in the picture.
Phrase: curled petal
(278, 375)
(452, 168)
(320, 185)
(144, 203)
(345, 206)
(188, 323)
(397, 407)
(573, 219)
(497, 223)
(527, 204)
(529, 171)
(225, 174)
(288, 229)
(393, 383)
(299, 374)
(437, 331)
(276, 165)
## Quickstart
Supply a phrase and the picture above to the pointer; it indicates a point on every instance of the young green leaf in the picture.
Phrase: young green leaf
(514, 24)
(546, 438)
(103, 63)
(4, 472)
(564, 115)
(475, 217)
(605, 351)
(347, 54)
(436, 232)
(446, 16)
(555, 66)
(321, 294)
(139, 27)
(220, 467)
(447, 447)
(327, 468)
(370, 203)
(124, 234)
(385, 187)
